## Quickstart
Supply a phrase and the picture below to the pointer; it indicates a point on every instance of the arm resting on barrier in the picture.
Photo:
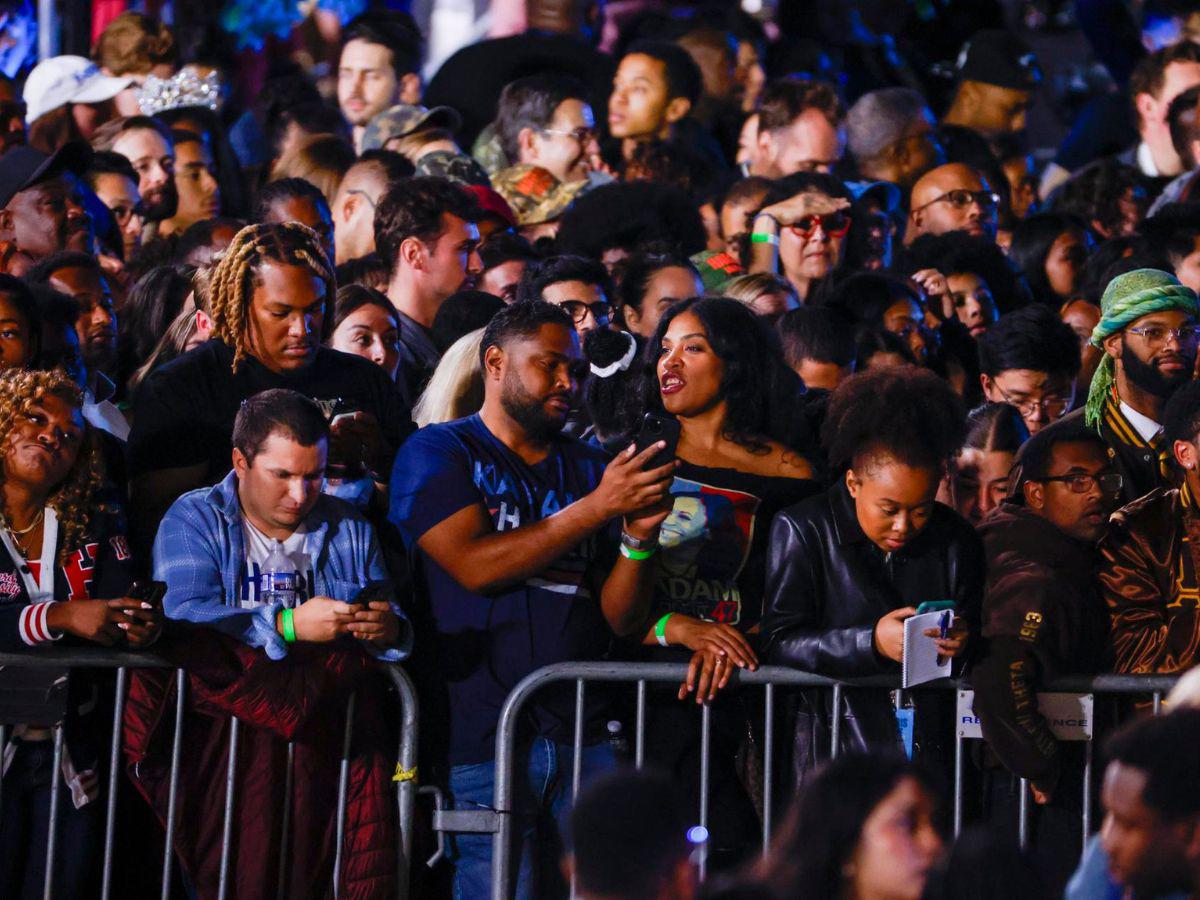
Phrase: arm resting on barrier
(1006, 681)
(186, 558)
(794, 619)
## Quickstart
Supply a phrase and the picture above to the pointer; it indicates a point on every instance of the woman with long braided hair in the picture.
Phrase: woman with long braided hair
(271, 301)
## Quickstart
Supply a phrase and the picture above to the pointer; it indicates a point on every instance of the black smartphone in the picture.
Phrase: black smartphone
(149, 592)
(657, 428)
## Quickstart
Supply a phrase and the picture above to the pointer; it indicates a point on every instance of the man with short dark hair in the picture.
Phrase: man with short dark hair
(1029, 360)
(425, 230)
(801, 128)
(1151, 799)
(503, 516)
(630, 840)
(379, 66)
(504, 259)
(891, 136)
(218, 548)
(818, 344)
(296, 200)
(1156, 81)
(654, 89)
(1042, 618)
(81, 277)
(41, 208)
(358, 195)
(580, 286)
(546, 121)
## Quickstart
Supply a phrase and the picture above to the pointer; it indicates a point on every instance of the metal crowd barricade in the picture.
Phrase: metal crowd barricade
(406, 786)
(499, 821)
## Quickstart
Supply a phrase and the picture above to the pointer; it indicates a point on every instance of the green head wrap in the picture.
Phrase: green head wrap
(1127, 298)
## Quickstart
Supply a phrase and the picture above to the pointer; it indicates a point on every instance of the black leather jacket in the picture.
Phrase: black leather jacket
(827, 586)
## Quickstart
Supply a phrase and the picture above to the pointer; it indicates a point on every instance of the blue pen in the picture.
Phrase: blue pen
(944, 628)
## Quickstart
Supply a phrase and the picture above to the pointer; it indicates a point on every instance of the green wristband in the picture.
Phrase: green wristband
(638, 555)
(660, 630)
(758, 237)
(289, 625)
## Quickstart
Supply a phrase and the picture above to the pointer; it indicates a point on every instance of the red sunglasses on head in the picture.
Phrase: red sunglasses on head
(834, 224)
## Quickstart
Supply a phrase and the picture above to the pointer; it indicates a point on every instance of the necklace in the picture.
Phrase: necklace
(28, 528)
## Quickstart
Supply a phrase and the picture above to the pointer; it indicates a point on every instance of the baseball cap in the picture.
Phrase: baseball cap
(403, 119)
(534, 194)
(61, 80)
(22, 167)
(1000, 58)
(492, 203)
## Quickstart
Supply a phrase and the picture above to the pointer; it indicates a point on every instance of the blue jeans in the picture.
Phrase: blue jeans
(542, 799)
(25, 829)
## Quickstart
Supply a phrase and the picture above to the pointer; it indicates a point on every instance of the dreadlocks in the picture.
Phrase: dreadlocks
(76, 499)
(232, 286)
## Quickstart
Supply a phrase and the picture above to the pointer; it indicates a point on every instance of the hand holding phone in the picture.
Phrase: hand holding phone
(657, 428)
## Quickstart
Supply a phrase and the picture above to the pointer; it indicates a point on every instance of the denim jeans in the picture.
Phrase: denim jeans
(25, 827)
(542, 800)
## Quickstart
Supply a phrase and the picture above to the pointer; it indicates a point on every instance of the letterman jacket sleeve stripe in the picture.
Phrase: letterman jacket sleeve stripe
(32, 624)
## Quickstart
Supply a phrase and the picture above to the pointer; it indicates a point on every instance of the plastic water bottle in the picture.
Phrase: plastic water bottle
(277, 583)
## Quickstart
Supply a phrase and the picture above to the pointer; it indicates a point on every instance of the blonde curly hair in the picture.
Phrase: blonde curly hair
(231, 287)
(77, 499)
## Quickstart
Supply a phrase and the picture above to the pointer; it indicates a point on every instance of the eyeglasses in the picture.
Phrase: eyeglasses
(961, 198)
(1109, 483)
(581, 136)
(1054, 407)
(364, 195)
(578, 310)
(834, 224)
(1156, 335)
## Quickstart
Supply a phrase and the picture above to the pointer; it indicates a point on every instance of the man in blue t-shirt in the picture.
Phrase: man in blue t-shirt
(503, 516)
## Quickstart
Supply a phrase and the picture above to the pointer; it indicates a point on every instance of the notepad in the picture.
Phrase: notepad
(921, 652)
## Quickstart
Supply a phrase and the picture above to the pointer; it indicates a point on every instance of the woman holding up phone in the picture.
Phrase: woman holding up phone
(846, 568)
(65, 573)
(710, 368)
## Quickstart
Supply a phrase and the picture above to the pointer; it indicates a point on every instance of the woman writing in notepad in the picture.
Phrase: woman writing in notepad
(846, 568)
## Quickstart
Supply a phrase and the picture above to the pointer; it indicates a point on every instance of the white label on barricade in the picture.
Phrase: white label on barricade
(1069, 715)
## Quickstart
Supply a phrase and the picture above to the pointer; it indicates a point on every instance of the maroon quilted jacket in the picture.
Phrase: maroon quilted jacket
(302, 698)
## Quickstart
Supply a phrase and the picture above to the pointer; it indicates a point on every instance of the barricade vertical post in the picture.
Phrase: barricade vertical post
(577, 755)
(1157, 703)
(836, 729)
(343, 791)
(114, 764)
(406, 786)
(173, 790)
(705, 746)
(1087, 791)
(1023, 814)
(958, 780)
(56, 780)
(227, 824)
(768, 762)
(639, 737)
(285, 835)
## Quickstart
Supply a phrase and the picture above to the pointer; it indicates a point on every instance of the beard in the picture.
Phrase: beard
(1149, 378)
(527, 410)
(161, 204)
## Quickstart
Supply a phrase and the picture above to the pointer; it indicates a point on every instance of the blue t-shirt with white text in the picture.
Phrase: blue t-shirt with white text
(478, 647)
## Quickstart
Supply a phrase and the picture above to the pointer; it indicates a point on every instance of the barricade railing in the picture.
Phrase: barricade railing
(89, 658)
(499, 821)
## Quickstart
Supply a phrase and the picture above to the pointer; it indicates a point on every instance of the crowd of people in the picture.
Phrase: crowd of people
(659, 337)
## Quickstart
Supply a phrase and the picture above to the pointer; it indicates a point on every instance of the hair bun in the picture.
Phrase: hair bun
(609, 351)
